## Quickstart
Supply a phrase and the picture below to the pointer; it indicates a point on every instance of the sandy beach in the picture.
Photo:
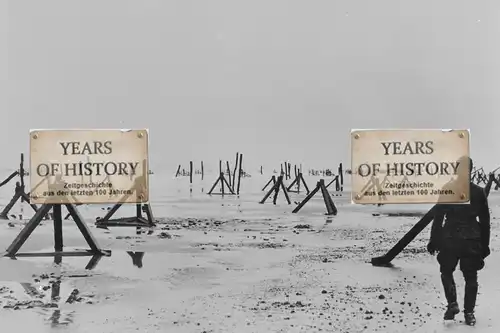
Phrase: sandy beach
(230, 264)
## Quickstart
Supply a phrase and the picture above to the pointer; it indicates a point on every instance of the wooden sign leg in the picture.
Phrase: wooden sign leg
(28, 230)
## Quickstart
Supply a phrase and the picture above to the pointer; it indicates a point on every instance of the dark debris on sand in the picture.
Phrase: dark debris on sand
(195, 223)
(44, 292)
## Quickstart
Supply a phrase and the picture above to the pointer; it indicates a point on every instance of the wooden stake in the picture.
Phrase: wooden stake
(190, 172)
(276, 187)
(407, 238)
(235, 169)
(306, 199)
(341, 175)
(240, 173)
(37, 218)
(330, 206)
(229, 175)
(273, 180)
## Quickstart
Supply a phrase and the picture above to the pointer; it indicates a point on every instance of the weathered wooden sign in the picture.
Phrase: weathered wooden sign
(89, 166)
(410, 166)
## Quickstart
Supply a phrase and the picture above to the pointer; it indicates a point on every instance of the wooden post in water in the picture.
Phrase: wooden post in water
(202, 171)
(341, 175)
(239, 174)
(231, 184)
(191, 172)
(235, 169)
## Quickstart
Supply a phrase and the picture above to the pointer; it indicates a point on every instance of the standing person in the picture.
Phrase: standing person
(464, 238)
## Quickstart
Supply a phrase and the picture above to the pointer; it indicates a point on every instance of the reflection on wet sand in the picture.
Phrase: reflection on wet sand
(61, 291)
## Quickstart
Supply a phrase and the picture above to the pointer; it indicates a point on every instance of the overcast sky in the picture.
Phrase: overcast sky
(275, 80)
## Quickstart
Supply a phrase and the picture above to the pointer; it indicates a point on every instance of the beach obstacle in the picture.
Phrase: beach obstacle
(299, 179)
(276, 189)
(138, 221)
(272, 180)
(385, 260)
(240, 173)
(338, 187)
(12, 250)
(491, 179)
(19, 191)
(340, 178)
(223, 183)
(479, 176)
(330, 205)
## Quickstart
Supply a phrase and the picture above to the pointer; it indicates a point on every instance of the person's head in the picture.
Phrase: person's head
(465, 166)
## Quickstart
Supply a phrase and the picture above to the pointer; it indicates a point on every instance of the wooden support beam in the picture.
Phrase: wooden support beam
(273, 180)
(386, 259)
(330, 206)
(320, 186)
(299, 179)
(22, 237)
(223, 182)
(240, 173)
(306, 199)
(236, 162)
(137, 221)
(276, 188)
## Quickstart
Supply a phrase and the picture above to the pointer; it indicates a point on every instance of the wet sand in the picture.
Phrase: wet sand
(232, 265)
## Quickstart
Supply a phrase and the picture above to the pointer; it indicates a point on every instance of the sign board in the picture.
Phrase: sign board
(89, 166)
(410, 166)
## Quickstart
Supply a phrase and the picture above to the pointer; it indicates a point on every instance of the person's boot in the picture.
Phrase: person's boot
(470, 319)
(451, 311)
(471, 287)
(450, 292)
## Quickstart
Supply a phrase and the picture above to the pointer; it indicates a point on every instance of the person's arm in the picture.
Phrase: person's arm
(484, 223)
(436, 230)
